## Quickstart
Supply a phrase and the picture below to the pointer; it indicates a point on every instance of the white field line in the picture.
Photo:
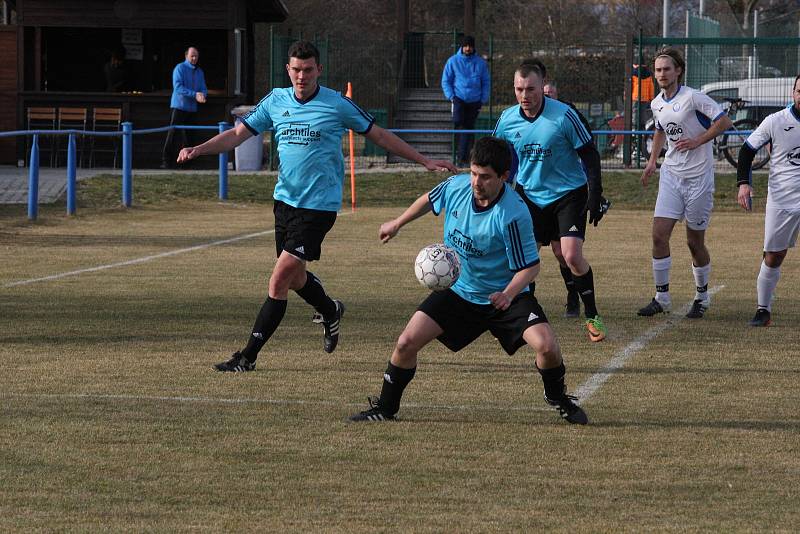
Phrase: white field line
(593, 384)
(137, 261)
(145, 259)
(280, 402)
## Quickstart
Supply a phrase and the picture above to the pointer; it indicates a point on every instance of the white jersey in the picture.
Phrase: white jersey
(782, 129)
(688, 114)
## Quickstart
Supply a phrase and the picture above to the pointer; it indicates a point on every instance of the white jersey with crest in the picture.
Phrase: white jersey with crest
(688, 114)
(782, 129)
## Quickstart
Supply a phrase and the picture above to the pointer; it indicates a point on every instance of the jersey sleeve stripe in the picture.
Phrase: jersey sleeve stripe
(256, 106)
(436, 193)
(496, 126)
(583, 135)
(516, 244)
(366, 115)
(246, 125)
(531, 264)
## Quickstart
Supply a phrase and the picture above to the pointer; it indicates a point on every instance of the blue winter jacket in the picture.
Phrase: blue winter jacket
(187, 80)
(466, 77)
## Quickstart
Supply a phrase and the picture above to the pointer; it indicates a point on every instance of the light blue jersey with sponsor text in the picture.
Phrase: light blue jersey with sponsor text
(546, 147)
(492, 242)
(309, 139)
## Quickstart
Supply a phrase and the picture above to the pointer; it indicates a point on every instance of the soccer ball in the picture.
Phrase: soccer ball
(437, 267)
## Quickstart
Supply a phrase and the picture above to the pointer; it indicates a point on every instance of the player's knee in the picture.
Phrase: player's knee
(407, 347)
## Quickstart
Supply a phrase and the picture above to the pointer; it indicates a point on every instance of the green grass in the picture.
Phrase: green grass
(113, 420)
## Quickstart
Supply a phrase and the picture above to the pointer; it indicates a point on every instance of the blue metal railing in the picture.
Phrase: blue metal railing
(127, 132)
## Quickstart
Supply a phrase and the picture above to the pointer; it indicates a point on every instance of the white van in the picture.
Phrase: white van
(762, 95)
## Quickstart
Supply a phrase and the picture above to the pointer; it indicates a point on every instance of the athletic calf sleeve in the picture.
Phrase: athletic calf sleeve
(553, 379)
(584, 284)
(569, 282)
(661, 268)
(395, 380)
(765, 285)
(267, 321)
(313, 293)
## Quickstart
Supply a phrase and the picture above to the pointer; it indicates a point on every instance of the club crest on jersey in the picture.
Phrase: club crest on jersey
(676, 106)
(300, 134)
(536, 152)
(793, 157)
(674, 131)
(458, 240)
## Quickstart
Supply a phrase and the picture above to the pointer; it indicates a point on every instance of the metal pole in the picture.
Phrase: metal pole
(491, 77)
(755, 48)
(702, 9)
(223, 167)
(33, 180)
(665, 20)
(71, 164)
(127, 164)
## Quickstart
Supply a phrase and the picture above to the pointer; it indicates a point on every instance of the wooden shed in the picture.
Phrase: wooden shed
(54, 54)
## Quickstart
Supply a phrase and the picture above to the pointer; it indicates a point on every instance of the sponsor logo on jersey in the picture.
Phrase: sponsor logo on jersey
(464, 243)
(286, 114)
(788, 128)
(536, 152)
(674, 131)
(300, 134)
(793, 157)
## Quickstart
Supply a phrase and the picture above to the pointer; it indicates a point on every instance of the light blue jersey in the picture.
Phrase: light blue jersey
(309, 139)
(546, 147)
(493, 243)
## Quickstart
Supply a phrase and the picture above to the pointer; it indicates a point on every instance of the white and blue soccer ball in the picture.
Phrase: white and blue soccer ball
(437, 267)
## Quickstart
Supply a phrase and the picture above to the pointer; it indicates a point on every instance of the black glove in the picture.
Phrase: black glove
(597, 205)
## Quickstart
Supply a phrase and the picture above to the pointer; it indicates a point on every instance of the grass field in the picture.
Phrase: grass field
(112, 418)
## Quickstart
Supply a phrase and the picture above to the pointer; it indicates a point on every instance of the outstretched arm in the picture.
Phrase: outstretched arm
(392, 143)
(223, 142)
(417, 209)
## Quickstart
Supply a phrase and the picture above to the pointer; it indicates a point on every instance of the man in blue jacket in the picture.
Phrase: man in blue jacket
(188, 89)
(465, 82)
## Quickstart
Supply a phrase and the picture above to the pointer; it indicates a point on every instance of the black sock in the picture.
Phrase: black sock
(553, 379)
(313, 293)
(584, 284)
(569, 282)
(395, 381)
(267, 322)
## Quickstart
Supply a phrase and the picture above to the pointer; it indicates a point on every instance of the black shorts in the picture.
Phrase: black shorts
(565, 217)
(463, 322)
(300, 231)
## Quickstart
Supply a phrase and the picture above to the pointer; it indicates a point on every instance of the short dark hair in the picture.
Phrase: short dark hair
(532, 65)
(676, 57)
(304, 50)
(491, 152)
(795, 82)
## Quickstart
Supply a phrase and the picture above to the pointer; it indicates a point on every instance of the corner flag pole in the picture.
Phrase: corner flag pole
(352, 158)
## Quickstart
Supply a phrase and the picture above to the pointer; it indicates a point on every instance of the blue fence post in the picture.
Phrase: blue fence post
(33, 180)
(127, 164)
(71, 164)
(223, 167)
